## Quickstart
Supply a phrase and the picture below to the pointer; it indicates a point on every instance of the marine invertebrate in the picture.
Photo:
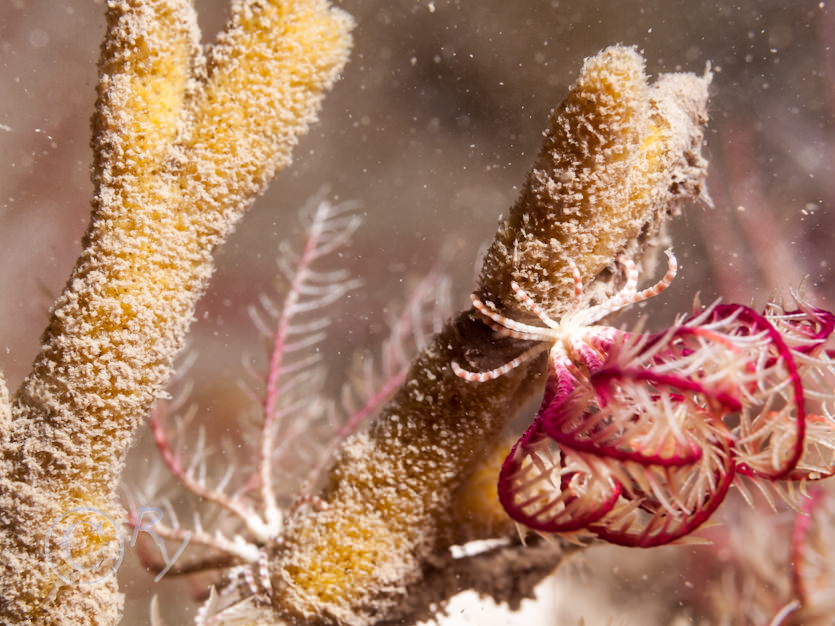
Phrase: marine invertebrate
(639, 436)
(179, 156)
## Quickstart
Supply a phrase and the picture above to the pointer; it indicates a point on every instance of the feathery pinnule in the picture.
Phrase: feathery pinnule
(182, 146)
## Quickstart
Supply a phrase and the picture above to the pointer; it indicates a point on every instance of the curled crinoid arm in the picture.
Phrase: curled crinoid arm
(652, 440)
(482, 377)
(511, 327)
(636, 497)
(769, 429)
(662, 504)
(629, 416)
(542, 488)
(726, 364)
(506, 326)
(807, 330)
(547, 489)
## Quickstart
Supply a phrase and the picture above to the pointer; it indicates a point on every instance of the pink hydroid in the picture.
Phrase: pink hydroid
(640, 436)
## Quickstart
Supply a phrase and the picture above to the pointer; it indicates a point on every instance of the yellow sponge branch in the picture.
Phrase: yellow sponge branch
(283, 56)
(618, 157)
(148, 65)
(181, 150)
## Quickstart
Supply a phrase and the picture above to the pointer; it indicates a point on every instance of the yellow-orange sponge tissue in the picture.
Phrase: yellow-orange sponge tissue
(183, 143)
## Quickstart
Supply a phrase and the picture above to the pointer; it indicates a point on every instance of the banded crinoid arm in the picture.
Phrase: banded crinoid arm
(619, 156)
(182, 145)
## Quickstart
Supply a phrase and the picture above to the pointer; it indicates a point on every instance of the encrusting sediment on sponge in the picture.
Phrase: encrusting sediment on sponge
(183, 144)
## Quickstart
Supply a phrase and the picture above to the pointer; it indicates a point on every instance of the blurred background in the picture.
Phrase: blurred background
(431, 130)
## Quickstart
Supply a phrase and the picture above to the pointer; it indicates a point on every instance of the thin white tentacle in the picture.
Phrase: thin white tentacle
(482, 377)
